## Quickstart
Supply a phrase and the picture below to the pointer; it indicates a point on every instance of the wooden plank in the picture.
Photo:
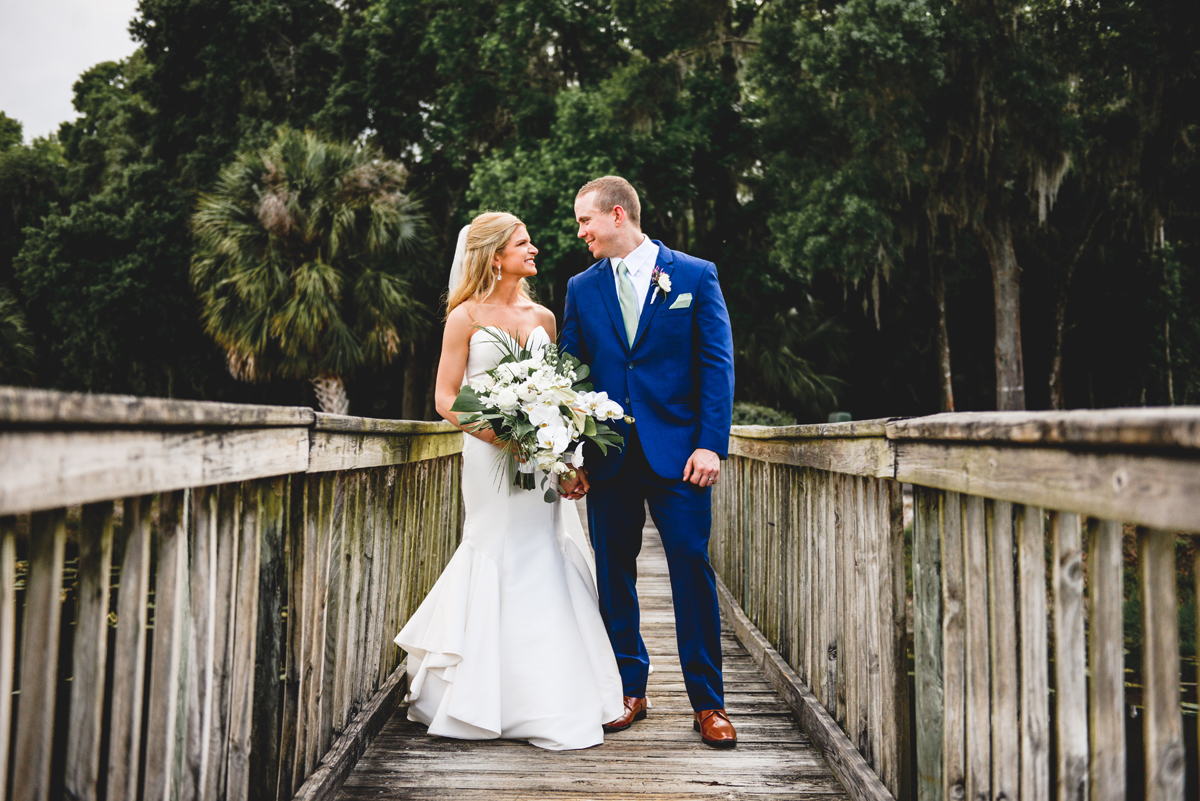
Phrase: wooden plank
(345, 752)
(978, 720)
(39, 655)
(1006, 741)
(1177, 427)
(1163, 722)
(840, 574)
(45, 407)
(1070, 660)
(268, 649)
(338, 450)
(375, 425)
(90, 656)
(1106, 661)
(202, 564)
(927, 641)
(129, 655)
(316, 591)
(895, 724)
(1031, 600)
(954, 666)
(45, 469)
(334, 531)
(165, 724)
(861, 457)
(1152, 490)
(8, 635)
(855, 775)
(849, 430)
(293, 650)
(226, 588)
(245, 640)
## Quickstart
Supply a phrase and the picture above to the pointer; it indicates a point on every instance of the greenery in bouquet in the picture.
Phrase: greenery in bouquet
(540, 403)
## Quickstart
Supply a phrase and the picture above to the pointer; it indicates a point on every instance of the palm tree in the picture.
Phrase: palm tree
(299, 260)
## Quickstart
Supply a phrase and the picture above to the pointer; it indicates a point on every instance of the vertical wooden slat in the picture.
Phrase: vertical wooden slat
(347, 661)
(264, 733)
(8, 635)
(202, 582)
(805, 600)
(844, 575)
(927, 641)
(39, 654)
(829, 600)
(168, 674)
(244, 639)
(1070, 678)
(306, 624)
(1163, 724)
(129, 655)
(1106, 646)
(289, 778)
(224, 610)
(978, 719)
(894, 723)
(1006, 743)
(954, 666)
(317, 526)
(334, 547)
(91, 653)
(874, 591)
(1035, 710)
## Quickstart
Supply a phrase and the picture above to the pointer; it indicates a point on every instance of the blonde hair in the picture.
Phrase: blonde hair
(612, 191)
(488, 235)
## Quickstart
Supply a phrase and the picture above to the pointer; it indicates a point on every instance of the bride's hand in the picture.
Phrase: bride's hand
(575, 488)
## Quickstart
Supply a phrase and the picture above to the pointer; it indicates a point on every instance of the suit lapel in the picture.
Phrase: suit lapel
(608, 291)
(666, 263)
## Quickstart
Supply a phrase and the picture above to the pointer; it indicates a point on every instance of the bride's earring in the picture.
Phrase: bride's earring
(498, 276)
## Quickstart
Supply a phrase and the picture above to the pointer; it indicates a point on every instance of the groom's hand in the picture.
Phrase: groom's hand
(577, 487)
(702, 468)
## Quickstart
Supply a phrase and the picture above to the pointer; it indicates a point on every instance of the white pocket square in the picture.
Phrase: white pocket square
(683, 301)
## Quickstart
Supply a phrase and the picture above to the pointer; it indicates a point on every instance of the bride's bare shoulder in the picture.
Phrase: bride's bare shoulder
(461, 322)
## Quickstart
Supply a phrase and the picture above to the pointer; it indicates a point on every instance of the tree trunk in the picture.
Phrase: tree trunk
(946, 381)
(996, 234)
(331, 394)
(410, 408)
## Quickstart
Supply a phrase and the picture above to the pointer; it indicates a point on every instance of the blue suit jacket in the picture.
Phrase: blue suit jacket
(676, 380)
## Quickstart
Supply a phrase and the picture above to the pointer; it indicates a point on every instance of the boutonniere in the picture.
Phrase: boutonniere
(662, 283)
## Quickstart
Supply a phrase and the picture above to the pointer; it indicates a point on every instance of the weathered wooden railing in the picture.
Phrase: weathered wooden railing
(205, 594)
(1020, 689)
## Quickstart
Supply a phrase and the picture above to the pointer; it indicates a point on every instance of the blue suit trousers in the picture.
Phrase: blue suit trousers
(683, 514)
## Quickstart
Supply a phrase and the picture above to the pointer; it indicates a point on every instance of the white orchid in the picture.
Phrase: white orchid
(555, 438)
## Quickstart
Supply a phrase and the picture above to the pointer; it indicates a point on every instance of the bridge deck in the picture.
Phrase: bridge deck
(658, 758)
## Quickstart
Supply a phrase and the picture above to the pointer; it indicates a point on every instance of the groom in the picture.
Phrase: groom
(652, 324)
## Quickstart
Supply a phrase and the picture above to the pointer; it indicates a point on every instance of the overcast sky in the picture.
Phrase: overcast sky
(46, 44)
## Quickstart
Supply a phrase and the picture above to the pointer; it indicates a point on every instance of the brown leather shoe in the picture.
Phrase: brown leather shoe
(635, 709)
(715, 728)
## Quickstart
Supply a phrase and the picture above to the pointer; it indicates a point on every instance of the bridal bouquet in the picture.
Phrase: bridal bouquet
(541, 405)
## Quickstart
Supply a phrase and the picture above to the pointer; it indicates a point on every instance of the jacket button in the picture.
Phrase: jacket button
(627, 401)
(631, 365)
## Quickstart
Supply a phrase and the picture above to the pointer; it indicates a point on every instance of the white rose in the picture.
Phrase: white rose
(507, 400)
(664, 282)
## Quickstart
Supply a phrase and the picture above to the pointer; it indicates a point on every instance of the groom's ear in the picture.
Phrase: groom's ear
(620, 214)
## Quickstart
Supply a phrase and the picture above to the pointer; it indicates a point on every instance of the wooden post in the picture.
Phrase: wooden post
(1106, 647)
(1070, 682)
(1006, 742)
(202, 582)
(977, 647)
(245, 640)
(8, 635)
(268, 649)
(168, 676)
(1163, 723)
(954, 676)
(129, 658)
(91, 653)
(927, 641)
(39, 654)
(1035, 677)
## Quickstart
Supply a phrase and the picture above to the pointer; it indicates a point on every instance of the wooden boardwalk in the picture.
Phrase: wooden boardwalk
(658, 758)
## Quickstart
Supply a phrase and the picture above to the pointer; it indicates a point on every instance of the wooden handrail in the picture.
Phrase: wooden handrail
(273, 540)
(809, 537)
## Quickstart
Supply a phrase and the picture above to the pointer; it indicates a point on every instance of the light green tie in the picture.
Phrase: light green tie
(629, 304)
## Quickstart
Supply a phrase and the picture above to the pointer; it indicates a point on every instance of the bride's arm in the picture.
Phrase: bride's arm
(456, 346)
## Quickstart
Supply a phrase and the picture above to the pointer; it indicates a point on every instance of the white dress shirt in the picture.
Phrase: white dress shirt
(640, 264)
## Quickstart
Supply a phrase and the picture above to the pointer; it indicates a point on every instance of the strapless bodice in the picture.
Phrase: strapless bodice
(485, 353)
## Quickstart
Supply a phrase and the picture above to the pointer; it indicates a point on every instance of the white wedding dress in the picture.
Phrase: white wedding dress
(509, 642)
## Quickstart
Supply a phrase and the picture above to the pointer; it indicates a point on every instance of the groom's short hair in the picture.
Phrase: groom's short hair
(611, 191)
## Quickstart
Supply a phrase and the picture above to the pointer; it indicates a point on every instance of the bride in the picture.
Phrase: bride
(509, 642)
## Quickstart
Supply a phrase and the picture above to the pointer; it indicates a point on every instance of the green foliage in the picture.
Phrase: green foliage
(751, 414)
(11, 131)
(16, 343)
(300, 255)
